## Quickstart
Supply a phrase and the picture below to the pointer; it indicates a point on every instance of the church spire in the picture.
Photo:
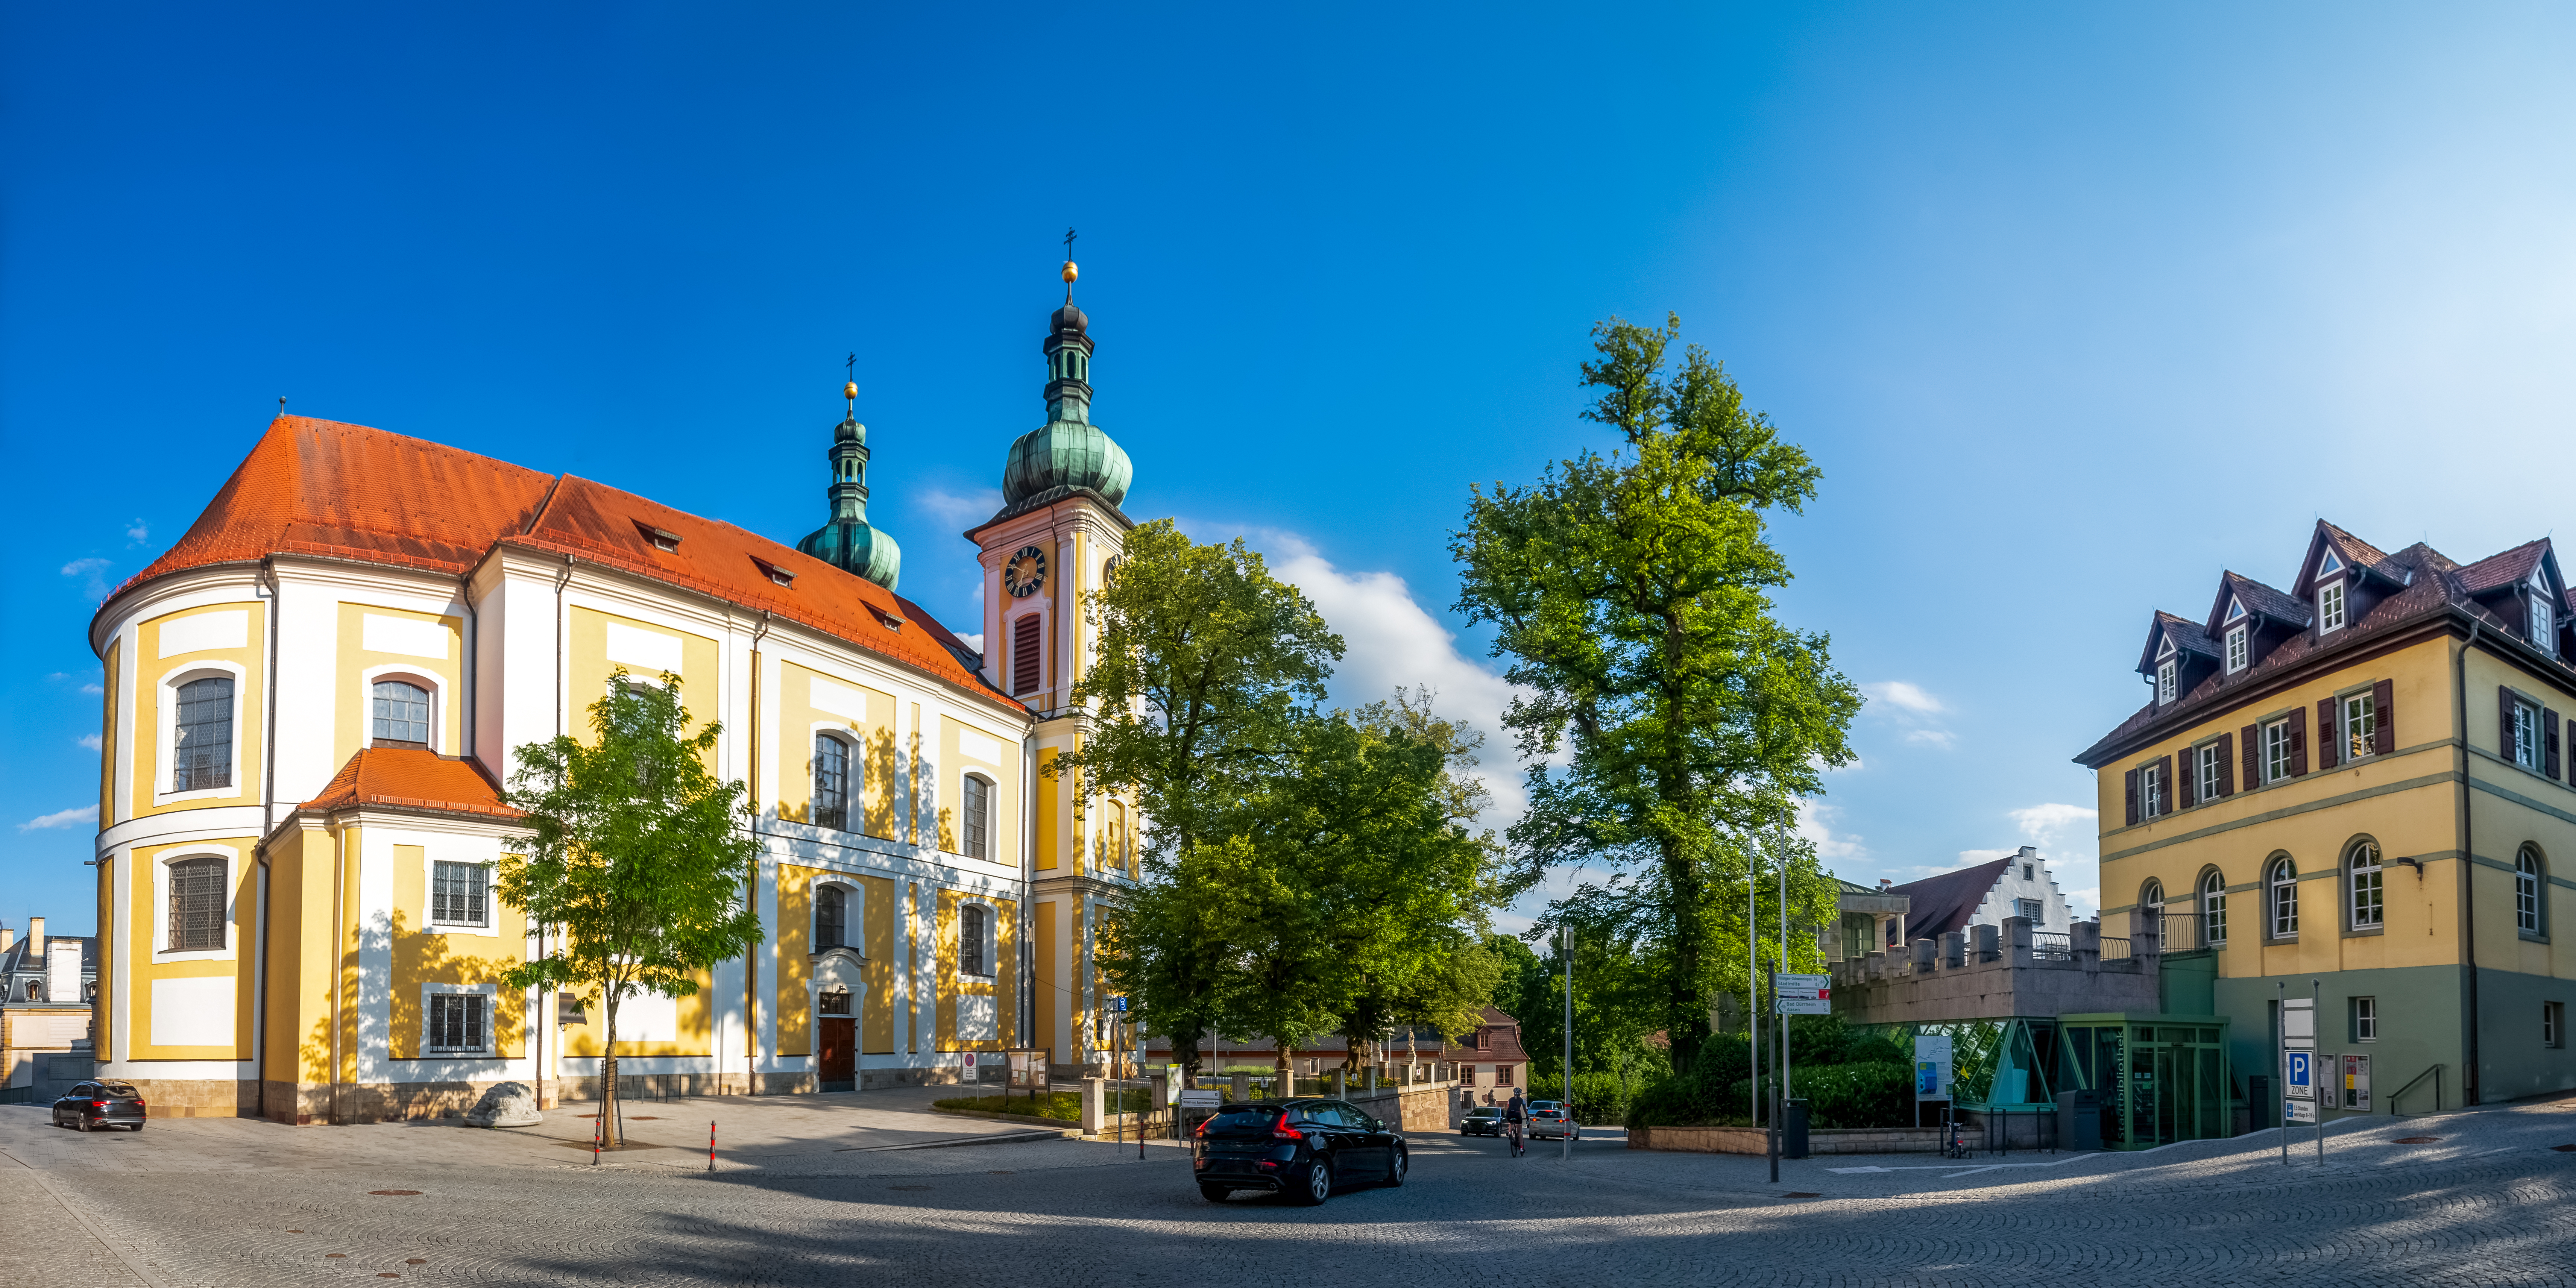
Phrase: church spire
(846, 541)
(1068, 453)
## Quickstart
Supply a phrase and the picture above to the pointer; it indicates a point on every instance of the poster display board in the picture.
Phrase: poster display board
(1028, 1067)
(2356, 1083)
(1932, 1066)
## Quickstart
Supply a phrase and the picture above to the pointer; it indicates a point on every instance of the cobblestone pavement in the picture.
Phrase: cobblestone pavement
(217, 1203)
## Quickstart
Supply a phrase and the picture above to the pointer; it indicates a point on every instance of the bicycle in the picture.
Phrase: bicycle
(1512, 1129)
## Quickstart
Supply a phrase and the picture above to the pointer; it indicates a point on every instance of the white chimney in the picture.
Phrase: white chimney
(8, 937)
(35, 937)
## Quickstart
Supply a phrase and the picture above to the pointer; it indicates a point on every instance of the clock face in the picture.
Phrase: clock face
(1025, 572)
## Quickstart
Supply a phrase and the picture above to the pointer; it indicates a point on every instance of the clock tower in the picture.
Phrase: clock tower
(1056, 537)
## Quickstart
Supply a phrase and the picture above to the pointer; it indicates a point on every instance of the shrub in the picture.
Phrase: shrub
(1856, 1095)
(1848, 1077)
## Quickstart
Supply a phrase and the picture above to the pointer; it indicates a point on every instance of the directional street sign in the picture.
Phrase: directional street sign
(1803, 994)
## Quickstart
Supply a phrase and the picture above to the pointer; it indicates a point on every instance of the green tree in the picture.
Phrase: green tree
(1629, 594)
(636, 859)
(1205, 666)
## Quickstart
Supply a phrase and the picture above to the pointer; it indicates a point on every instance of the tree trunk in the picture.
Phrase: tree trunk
(1685, 1018)
(608, 1132)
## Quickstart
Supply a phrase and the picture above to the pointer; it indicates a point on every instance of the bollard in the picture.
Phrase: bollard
(711, 1147)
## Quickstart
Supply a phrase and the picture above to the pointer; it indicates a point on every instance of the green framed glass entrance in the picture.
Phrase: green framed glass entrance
(2162, 1078)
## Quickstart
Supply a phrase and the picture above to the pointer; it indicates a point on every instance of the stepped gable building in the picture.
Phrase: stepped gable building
(2016, 885)
(2361, 780)
(311, 701)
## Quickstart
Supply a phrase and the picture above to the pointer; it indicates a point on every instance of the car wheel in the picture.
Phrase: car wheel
(80, 1122)
(136, 1127)
(1403, 1164)
(1214, 1193)
(1318, 1186)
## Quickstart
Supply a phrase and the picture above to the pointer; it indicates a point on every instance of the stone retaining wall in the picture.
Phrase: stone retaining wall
(1754, 1140)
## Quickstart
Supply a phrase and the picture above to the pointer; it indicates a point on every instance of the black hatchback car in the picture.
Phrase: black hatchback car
(1301, 1148)
(93, 1105)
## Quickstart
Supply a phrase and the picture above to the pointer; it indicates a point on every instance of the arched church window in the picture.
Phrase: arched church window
(401, 714)
(831, 918)
(831, 782)
(197, 905)
(976, 821)
(971, 933)
(203, 757)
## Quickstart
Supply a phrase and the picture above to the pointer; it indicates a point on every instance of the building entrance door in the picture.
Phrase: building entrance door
(838, 1044)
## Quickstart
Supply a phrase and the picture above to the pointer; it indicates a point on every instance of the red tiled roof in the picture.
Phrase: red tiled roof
(320, 487)
(2509, 568)
(417, 779)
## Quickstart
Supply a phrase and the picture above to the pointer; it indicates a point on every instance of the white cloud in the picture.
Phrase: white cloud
(950, 507)
(92, 576)
(1913, 710)
(93, 690)
(2065, 837)
(138, 532)
(61, 818)
(1815, 823)
(974, 641)
(1391, 642)
(89, 740)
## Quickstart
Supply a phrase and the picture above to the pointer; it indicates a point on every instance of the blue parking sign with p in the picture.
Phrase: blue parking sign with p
(2302, 1072)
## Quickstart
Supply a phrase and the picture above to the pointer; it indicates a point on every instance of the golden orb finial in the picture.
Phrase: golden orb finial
(851, 391)
(1071, 273)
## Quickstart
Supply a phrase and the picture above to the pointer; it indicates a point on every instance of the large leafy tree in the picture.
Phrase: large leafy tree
(637, 859)
(1629, 594)
(1205, 667)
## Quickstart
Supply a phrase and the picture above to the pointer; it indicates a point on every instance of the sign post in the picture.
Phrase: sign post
(2298, 1066)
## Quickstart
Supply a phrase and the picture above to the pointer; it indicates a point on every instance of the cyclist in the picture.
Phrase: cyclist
(1513, 1114)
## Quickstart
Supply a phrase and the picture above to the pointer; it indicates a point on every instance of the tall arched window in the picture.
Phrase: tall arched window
(2151, 896)
(2284, 881)
(831, 917)
(831, 783)
(2213, 909)
(203, 757)
(401, 713)
(197, 905)
(976, 825)
(2363, 881)
(971, 930)
(2526, 891)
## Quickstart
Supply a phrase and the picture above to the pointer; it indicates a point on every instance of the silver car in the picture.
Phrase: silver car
(1548, 1120)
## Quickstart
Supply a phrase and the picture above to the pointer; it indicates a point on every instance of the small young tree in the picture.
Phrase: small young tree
(637, 858)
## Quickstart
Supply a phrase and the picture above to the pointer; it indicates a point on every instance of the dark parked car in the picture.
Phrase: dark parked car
(1483, 1120)
(1301, 1148)
(100, 1104)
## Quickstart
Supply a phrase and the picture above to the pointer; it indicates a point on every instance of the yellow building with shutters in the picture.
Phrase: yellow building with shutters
(313, 697)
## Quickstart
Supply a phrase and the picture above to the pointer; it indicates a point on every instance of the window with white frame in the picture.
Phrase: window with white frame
(2365, 1019)
(2544, 624)
(2152, 894)
(974, 932)
(401, 714)
(2167, 679)
(2239, 650)
(831, 783)
(2526, 891)
(2529, 751)
(976, 822)
(2360, 725)
(459, 1023)
(2363, 880)
(197, 905)
(2276, 752)
(202, 754)
(2330, 607)
(2209, 765)
(460, 894)
(2031, 909)
(2151, 791)
(2213, 908)
(2284, 883)
(831, 917)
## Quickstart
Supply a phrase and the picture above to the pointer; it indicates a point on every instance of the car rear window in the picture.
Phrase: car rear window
(1244, 1120)
(116, 1088)
(1485, 1111)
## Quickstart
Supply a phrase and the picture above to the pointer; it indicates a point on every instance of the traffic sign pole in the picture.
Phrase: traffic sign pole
(2281, 1061)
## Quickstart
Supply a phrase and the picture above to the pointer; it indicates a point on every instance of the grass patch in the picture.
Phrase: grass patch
(1063, 1106)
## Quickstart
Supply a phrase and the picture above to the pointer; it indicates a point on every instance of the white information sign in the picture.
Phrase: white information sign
(2298, 1111)
(1932, 1066)
(1201, 1098)
(2299, 1018)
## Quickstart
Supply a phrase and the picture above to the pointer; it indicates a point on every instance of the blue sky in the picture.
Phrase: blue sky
(2075, 306)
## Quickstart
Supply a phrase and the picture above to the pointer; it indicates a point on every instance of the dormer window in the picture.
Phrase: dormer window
(2239, 650)
(2235, 608)
(2544, 624)
(2168, 675)
(775, 573)
(661, 539)
(2329, 564)
(887, 620)
(2330, 606)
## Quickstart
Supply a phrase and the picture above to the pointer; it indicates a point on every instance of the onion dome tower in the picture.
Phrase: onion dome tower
(847, 542)
(1068, 454)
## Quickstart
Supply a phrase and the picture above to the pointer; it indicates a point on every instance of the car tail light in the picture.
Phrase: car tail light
(1282, 1131)
(98, 1104)
(138, 1102)
(1201, 1129)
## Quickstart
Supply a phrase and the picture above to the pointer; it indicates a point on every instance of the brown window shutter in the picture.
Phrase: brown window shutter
(2183, 786)
(2172, 797)
(2383, 738)
(2549, 741)
(2504, 722)
(2132, 779)
(2329, 735)
(2298, 741)
(1027, 652)
(2253, 735)
(2226, 765)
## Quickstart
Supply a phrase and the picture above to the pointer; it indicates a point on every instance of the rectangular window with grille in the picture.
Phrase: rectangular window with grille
(2360, 725)
(1027, 655)
(457, 1022)
(459, 895)
(2207, 779)
(2031, 908)
(2276, 752)
(977, 823)
(197, 906)
(2365, 1019)
(203, 755)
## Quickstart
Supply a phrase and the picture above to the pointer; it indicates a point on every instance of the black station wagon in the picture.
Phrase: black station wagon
(93, 1105)
(1301, 1148)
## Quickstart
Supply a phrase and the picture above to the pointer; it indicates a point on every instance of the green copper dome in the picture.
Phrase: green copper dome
(847, 542)
(1068, 453)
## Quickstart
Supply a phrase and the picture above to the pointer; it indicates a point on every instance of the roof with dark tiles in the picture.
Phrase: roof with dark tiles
(2259, 599)
(1944, 903)
(2511, 568)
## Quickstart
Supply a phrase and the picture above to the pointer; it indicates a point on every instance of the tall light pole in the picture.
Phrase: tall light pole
(1566, 1083)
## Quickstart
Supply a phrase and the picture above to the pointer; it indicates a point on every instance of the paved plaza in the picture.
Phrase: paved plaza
(872, 1188)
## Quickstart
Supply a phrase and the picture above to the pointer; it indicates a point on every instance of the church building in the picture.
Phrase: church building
(311, 705)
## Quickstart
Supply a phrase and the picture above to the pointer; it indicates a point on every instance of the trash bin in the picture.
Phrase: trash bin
(2079, 1119)
(1793, 1130)
(2263, 1107)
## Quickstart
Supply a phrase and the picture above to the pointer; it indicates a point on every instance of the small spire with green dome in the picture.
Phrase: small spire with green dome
(1068, 454)
(847, 542)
